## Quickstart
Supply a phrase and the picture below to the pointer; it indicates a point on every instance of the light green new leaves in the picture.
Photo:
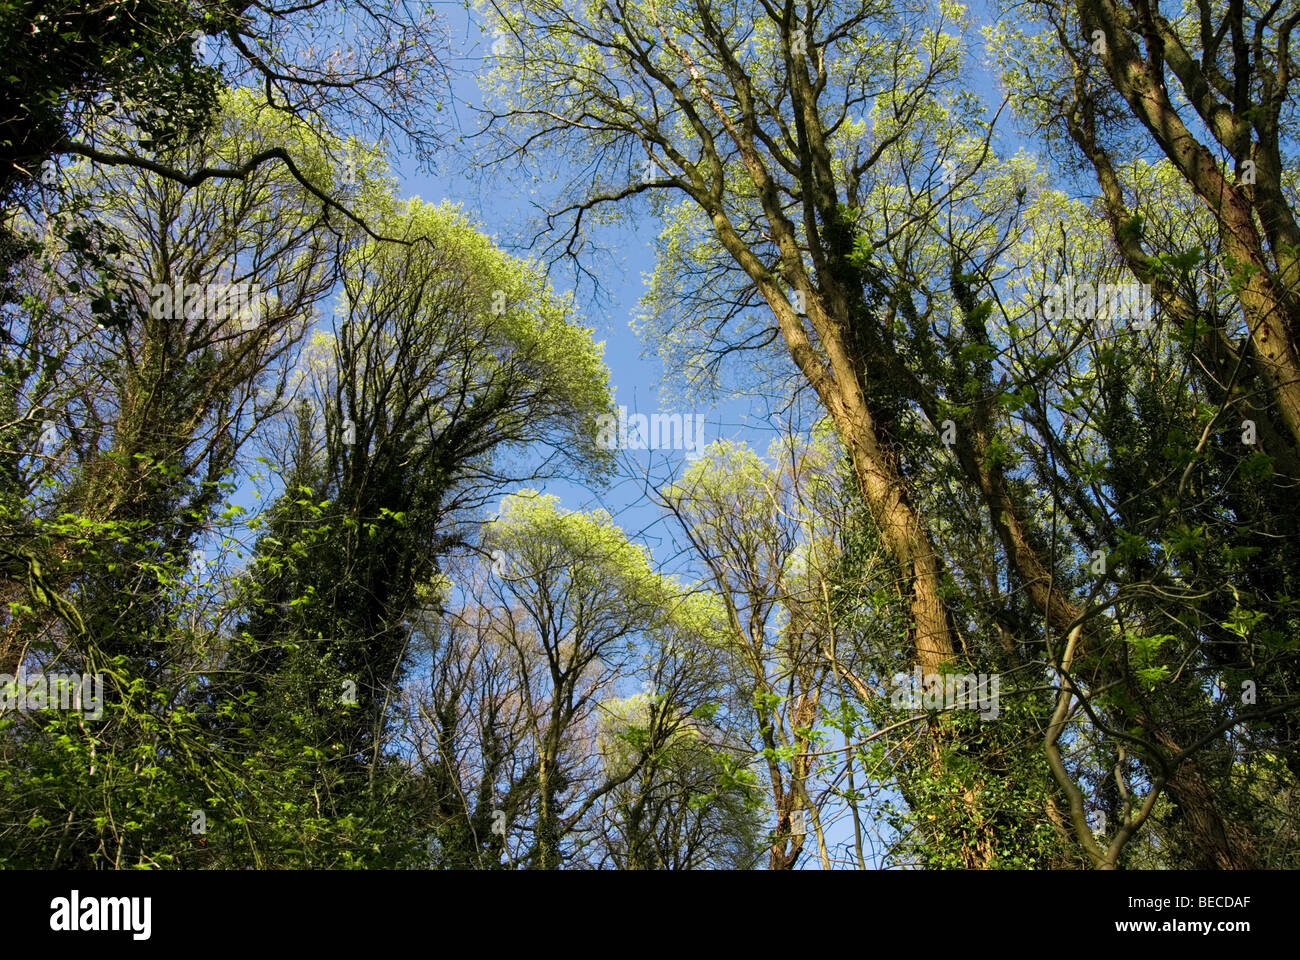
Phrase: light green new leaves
(498, 317)
(607, 577)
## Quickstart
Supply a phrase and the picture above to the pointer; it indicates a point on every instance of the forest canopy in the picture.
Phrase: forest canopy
(965, 533)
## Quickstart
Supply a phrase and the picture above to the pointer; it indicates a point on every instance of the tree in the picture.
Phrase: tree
(426, 393)
(132, 417)
(750, 529)
(577, 601)
(1233, 64)
(1100, 81)
(693, 806)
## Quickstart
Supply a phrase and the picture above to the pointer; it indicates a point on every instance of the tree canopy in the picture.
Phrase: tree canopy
(315, 481)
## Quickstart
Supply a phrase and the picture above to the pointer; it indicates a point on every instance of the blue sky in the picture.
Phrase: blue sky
(635, 374)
